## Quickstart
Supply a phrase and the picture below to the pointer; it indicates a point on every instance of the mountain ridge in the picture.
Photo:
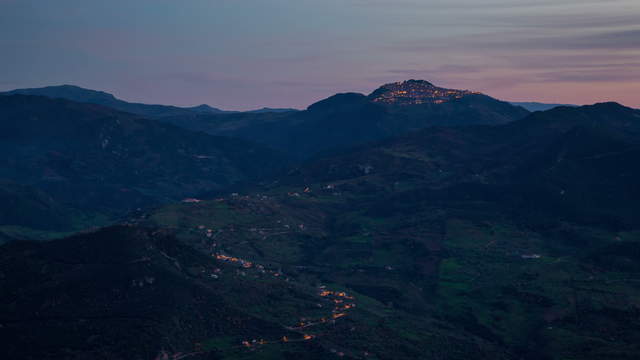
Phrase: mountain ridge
(80, 94)
(347, 119)
(538, 106)
(96, 159)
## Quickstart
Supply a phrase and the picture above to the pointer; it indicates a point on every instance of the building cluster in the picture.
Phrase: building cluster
(417, 92)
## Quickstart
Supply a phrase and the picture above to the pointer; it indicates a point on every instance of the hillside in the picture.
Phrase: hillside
(346, 120)
(523, 237)
(577, 156)
(126, 293)
(517, 241)
(96, 159)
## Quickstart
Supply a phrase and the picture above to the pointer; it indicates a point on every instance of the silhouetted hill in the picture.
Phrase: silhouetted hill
(204, 109)
(536, 106)
(338, 122)
(346, 120)
(78, 94)
(272, 110)
(94, 158)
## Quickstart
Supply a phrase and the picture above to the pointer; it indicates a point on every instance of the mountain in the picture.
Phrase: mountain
(513, 241)
(78, 94)
(272, 110)
(521, 238)
(346, 120)
(99, 160)
(574, 161)
(536, 106)
(341, 121)
(205, 109)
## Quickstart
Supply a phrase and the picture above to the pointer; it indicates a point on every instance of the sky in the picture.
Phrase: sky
(247, 54)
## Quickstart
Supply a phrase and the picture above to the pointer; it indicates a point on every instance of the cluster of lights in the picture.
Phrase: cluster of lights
(416, 92)
(342, 302)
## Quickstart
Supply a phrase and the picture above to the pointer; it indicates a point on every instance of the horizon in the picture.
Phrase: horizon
(295, 53)
(302, 108)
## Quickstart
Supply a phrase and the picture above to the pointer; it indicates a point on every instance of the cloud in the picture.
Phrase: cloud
(610, 40)
(519, 41)
(580, 76)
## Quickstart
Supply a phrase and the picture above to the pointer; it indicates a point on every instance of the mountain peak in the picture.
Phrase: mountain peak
(414, 92)
(69, 92)
(202, 107)
(205, 109)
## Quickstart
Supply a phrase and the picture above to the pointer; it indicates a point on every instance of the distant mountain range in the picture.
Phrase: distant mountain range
(76, 93)
(94, 157)
(536, 106)
(270, 110)
(408, 92)
(340, 121)
(97, 160)
(346, 120)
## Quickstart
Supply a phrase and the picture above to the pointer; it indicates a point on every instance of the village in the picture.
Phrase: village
(340, 303)
(418, 92)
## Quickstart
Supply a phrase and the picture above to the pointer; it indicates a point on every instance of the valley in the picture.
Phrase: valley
(487, 241)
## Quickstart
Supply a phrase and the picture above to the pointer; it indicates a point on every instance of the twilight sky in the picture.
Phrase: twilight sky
(244, 54)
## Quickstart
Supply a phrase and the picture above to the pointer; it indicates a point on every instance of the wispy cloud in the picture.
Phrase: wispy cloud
(240, 54)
